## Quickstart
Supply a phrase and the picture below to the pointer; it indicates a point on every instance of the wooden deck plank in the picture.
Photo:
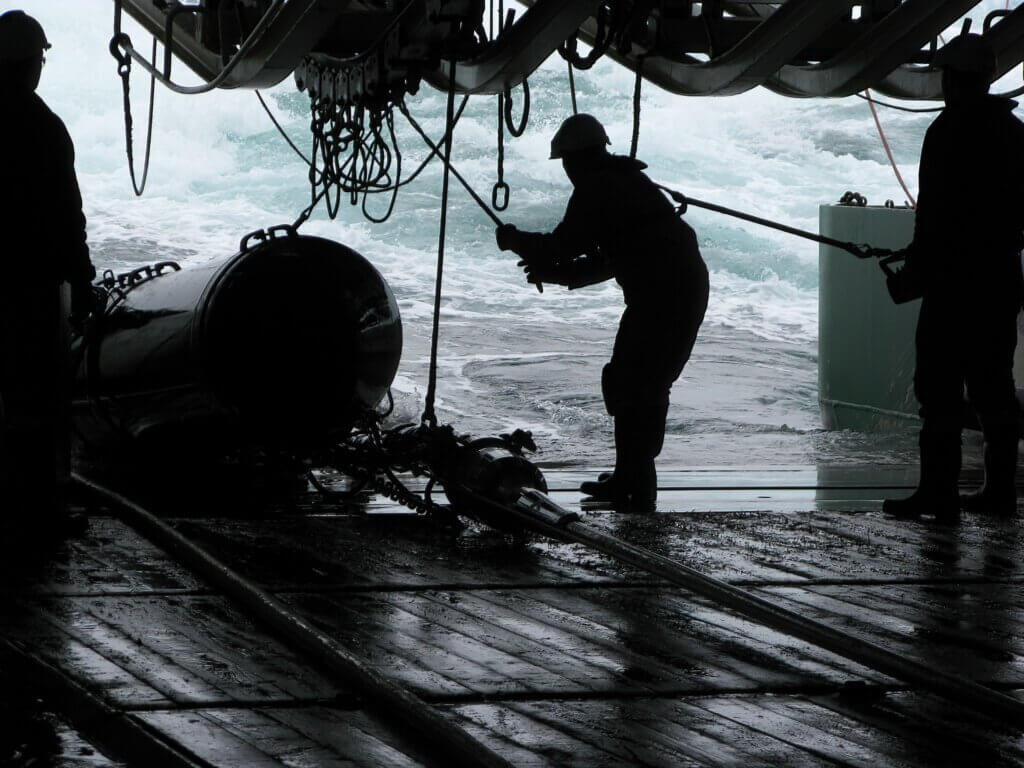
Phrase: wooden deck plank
(760, 644)
(564, 659)
(651, 732)
(526, 740)
(663, 654)
(820, 738)
(927, 636)
(206, 738)
(112, 559)
(354, 552)
(589, 662)
(507, 666)
(313, 736)
(188, 654)
(361, 623)
(979, 624)
(50, 640)
(921, 730)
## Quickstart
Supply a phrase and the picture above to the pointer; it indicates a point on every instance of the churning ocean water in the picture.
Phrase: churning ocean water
(510, 357)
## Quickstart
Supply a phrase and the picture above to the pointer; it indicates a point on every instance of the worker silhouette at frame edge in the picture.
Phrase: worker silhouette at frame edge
(964, 263)
(44, 246)
(618, 225)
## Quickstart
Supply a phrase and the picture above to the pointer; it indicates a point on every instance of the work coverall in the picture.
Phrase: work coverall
(618, 224)
(43, 245)
(966, 255)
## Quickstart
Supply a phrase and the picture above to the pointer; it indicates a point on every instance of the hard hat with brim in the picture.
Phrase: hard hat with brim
(968, 53)
(578, 133)
(21, 37)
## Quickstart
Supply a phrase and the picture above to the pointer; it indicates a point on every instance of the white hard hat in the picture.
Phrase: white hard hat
(21, 37)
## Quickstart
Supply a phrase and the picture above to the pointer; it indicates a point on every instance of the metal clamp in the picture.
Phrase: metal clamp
(265, 235)
(544, 509)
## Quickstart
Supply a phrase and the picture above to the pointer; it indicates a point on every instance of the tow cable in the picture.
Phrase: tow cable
(429, 417)
(540, 514)
(861, 251)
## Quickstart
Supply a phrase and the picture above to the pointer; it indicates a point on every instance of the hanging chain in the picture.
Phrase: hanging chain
(572, 87)
(124, 69)
(638, 83)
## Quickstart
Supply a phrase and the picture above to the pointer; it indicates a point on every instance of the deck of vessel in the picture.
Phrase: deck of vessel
(546, 652)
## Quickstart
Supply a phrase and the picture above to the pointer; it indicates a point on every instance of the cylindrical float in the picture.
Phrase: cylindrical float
(283, 344)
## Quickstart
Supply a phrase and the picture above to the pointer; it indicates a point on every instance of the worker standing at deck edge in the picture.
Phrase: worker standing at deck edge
(964, 262)
(618, 224)
(44, 246)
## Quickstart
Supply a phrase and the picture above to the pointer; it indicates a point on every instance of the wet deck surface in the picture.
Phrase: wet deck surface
(548, 653)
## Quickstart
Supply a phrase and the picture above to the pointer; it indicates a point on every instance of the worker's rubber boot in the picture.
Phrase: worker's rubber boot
(937, 492)
(607, 488)
(998, 494)
(639, 432)
(643, 487)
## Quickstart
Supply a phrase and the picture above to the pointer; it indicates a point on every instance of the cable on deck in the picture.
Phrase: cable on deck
(385, 696)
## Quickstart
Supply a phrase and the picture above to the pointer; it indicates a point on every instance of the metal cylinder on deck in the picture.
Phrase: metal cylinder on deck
(285, 344)
(488, 469)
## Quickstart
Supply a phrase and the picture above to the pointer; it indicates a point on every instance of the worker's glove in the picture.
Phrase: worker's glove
(902, 278)
(540, 271)
(506, 235)
(83, 301)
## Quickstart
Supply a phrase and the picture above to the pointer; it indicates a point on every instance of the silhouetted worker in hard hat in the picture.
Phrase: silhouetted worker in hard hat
(618, 224)
(44, 245)
(964, 261)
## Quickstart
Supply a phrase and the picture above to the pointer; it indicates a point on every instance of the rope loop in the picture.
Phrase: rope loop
(602, 40)
(500, 188)
(517, 130)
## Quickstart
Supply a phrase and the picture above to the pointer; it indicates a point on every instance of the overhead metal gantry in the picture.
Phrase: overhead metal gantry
(370, 50)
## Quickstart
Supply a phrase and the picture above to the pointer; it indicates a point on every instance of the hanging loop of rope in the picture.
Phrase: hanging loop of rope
(517, 130)
(602, 40)
(429, 417)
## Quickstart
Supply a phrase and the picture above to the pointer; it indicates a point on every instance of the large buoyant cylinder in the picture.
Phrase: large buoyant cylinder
(285, 344)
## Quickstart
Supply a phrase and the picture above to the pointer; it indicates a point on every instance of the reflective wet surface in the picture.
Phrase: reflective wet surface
(547, 652)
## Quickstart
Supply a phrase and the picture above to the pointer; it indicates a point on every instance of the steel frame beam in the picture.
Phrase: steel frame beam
(777, 40)
(878, 52)
(520, 50)
(271, 58)
(1007, 39)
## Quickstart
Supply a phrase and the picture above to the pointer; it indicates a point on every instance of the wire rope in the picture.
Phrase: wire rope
(429, 416)
(888, 153)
